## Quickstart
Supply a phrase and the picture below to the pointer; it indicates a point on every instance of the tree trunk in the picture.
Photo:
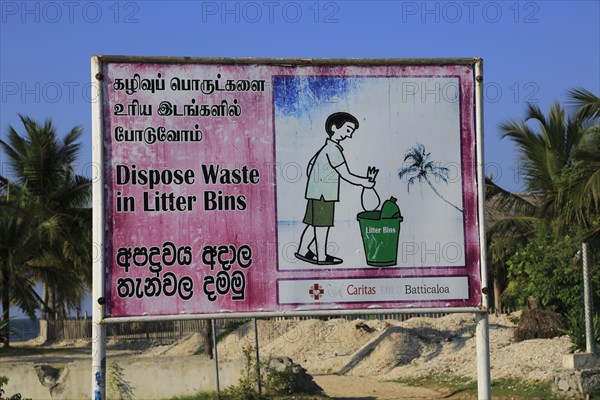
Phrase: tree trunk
(53, 302)
(5, 331)
(208, 343)
(439, 194)
(534, 303)
(46, 294)
(497, 291)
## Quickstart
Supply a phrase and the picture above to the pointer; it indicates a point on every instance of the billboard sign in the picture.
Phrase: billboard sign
(249, 186)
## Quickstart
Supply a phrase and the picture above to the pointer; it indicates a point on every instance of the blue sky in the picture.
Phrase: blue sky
(533, 50)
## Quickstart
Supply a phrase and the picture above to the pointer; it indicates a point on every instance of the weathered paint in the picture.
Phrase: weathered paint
(268, 220)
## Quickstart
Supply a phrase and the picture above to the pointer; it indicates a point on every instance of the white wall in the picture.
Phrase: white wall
(152, 378)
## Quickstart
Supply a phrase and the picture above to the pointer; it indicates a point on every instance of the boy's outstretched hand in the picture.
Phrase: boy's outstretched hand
(372, 173)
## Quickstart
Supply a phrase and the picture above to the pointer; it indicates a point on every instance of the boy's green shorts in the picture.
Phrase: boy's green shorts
(319, 212)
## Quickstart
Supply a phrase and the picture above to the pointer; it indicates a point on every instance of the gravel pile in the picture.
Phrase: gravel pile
(392, 349)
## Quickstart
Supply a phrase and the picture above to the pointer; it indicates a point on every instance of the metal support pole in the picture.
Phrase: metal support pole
(98, 361)
(216, 356)
(483, 356)
(257, 358)
(587, 302)
(484, 381)
(98, 300)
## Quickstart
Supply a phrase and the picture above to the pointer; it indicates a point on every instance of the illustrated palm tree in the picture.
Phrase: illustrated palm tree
(52, 201)
(423, 169)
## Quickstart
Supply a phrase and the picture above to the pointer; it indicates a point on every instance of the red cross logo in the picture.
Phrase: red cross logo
(316, 291)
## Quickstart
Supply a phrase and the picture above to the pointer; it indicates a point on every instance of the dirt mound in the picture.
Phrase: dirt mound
(389, 349)
(536, 323)
(396, 346)
(186, 346)
(323, 346)
(535, 360)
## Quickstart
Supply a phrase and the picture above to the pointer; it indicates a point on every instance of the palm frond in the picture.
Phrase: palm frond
(508, 203)
(586, 103)
(517, 227)
(584, 187)
(43, 226)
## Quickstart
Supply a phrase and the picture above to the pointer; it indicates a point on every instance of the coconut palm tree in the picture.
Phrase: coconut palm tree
(44, 165)
(20, 239)
(511, 220)
(42, 168)
(584, 187)
(586, 103)
(548, 148)
(546, 155)
(422, 168)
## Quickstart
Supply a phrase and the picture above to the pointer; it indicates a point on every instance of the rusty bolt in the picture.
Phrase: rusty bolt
(99, 76)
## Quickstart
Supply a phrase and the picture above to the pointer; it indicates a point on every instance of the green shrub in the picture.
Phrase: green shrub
(118, 388)
(547, 268)
(16, 396)
(576, 331)
(273, 383)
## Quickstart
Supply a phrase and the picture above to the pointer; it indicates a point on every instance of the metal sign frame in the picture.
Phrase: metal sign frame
(99, 318)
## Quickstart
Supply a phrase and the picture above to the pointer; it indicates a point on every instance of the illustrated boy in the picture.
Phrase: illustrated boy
(323, 187)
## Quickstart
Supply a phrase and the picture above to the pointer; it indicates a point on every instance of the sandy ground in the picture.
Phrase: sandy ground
(352, 387)
(357, 359)
(387, 350)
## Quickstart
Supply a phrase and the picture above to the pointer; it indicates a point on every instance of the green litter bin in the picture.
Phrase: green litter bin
(380, 236)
